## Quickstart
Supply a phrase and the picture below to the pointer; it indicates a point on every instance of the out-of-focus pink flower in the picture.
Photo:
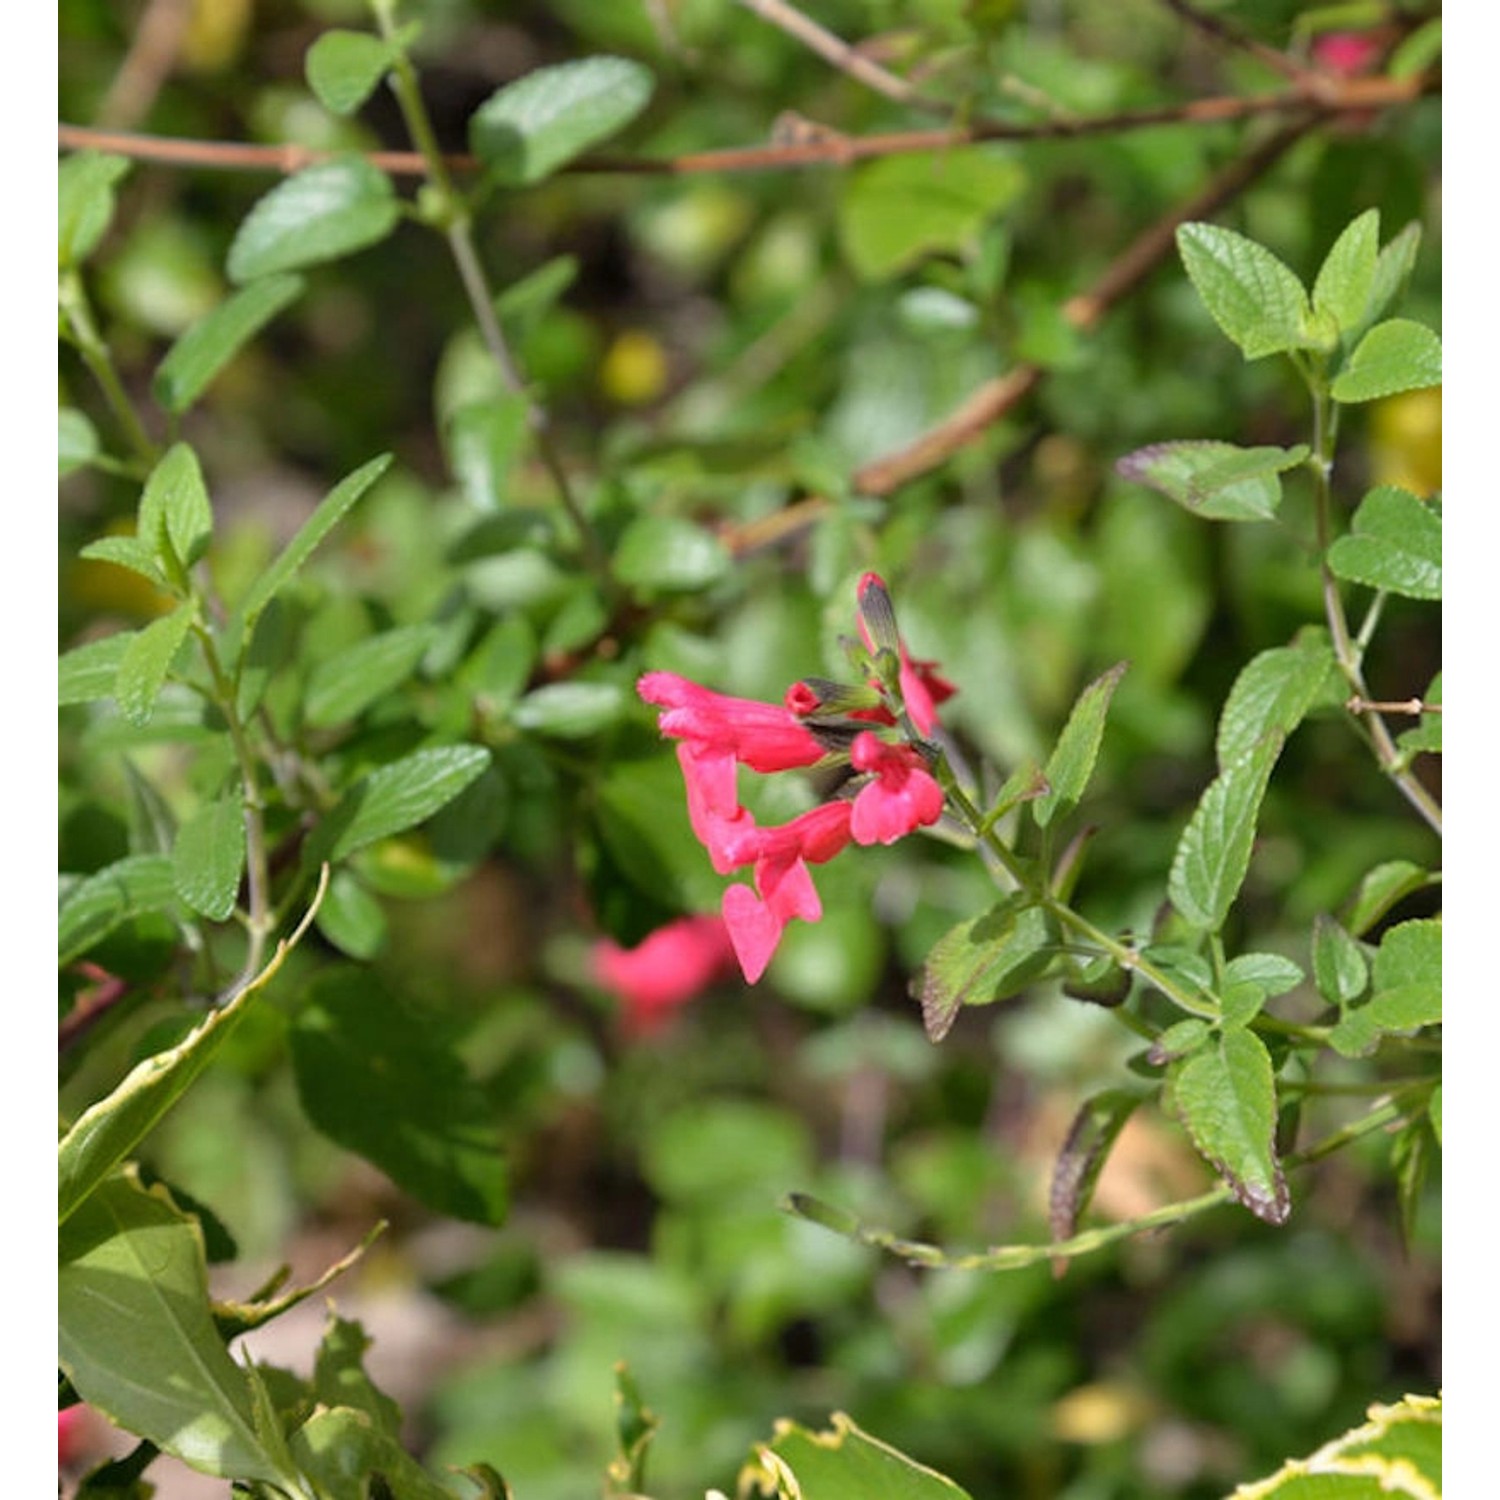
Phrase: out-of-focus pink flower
(673, 965)
(72, 1423)
(903, 796)
(1347, 53)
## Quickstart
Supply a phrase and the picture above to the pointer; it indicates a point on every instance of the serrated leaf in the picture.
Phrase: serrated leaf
(1397, 355)
(85, 202)
(1269, 972)
(1254, 297)
(1381, 889)
(330, 511)
(1213, 854)
(1393, 268)
(530, 128)
(1342, 288)
(984, 959)
(1216, 481)
(175, 519)
(1071, 763)
(341, 687)
(136, 1339)
(1085, 1149)
(375, 1075)
(844, 1463)
(97, 904)
(1181, 1039)
(204, 349)
(77, 441)
(1240, 1002)
(1340, 968)
(669, 555)
(126, 552)
(571, 710)
(1273, 693)
(1225, 1096)
(345, 67)
(484, 439)
(1396, 543)
(208, 857)
(146, 660)
(398, 796)
(88, 672)
(323, 212)
(1407, 976)
(897, 210)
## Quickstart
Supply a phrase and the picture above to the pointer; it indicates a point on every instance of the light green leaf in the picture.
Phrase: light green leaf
(175, 519)
(398, 796)
(324, 212)
(844, 1463)
(205, 348)
(345, 67)
(1225, 1096)
(97, 904)
(331, 510)
(85, 202)
(1407, 981)
(484, 439)
(1340, 968)
(986, 958)
(1269, 972)
(571, 710)
(1240, 1003)
(1348, 273)
(1381, 889)
(896, 210)
(127, 552)
(374, 1075)
(1396, 543)
(1181, 1039)
(1428, 735)
(530, 128)
(77, 441)
(137, 1340)
(1273, 692)
(340, 1378)
(668, 554)
(146, 660)
(340, 1448)
(1071, 763)
(1217, 481)
(351, 918)
(1213, 853)
(208, 857)
(1254, 297)
(88, 672)
(341, 687)
(1397, 355)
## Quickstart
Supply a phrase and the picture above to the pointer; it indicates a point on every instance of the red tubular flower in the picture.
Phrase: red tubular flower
(672, 966)
(922, 688)
(903, 797)
(763, 736)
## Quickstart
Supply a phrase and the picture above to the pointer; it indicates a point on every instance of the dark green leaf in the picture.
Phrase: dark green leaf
(571, 710)
(1213, 853)
(531, 127)
(88, 672)
(341, 687)
(340, 1378)
(1217, 481)
(324, 212)
(1414, 1153)
(345, 67)
(847, 1464)
(1225, 1096)
(984, 959)
(1397, 355)
(77, 442)
(670, 555)
(1396, 544)
(375, 1076)
(100, 902)
(351, 918)
(85, 202)
(484, 439)
(398, 796)
(1273, 693)
(1340, 968)
(1348, 273)
(1094, 1130)
(208, 858)
(1071, 763)
(1254, 298)
(205, 348)
(146, 660)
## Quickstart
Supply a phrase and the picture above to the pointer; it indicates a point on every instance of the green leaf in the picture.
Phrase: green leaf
(331, 510)
(1428, 735)
(1072, 760)
(146, 660)
(324, 212)
(208, 857)
(484, 439)
(374, 1075)
(1094, 1130)
(669, 555)
(137, 1340)
(984, 959)
(1381, 889)
(345, 67)
(127, 552)
(205, 348)
(528, 129)
(1225, 1096)
(1217, 481)
(1407, 979)
(1181, 1039)
(175, 519)
(1340, 968)
(351, 918)
(1213, 853)
(340, 1378)
(1397, 355)
(101, 902)
(1396, 543)
(77, 441)
(341, 687)
(398, 796)
(1240, 1003)
(1393, 268)
(897, 210)
(1273, 693)
(342, 1450)
(1254, 298)
(1414, 1153)
(88, 672)
(571, 710)
(843, 1463)
(1269, 972)
(85, 202)
(1343, 287)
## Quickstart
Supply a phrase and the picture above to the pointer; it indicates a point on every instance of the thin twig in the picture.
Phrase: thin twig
(147, 65)
(1229, 35)
(1413, 706)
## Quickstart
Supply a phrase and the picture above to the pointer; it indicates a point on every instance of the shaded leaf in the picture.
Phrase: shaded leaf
(1381, 889)
(100, 902)
(351, 918)
(77, 441)
(146, 660)
(85, 202)
(1094, 1130)
(668, 554)
(88, 672)
(1273, 693)
(1393, 268)
(208, 857)
(398, 796)
(346, 1455)
(1397, 355)
(1428, 735)
(984, 959)
(342, 686)
(1253, 296)
(345, 67)
(571, 710)
(1396, 543)
(1217, 481)
(1340, 968)
(127, 552)
(484, 439)
(1071, 763)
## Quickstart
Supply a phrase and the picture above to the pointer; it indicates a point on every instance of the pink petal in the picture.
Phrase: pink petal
(753, 929)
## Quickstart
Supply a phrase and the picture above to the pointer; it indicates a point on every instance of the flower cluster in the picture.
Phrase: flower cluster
(875, 730)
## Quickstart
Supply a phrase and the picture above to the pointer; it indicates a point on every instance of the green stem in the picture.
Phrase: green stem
(84, 332)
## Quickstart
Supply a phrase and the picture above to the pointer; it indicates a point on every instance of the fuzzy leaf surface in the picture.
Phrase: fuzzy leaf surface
(1254, 297)
(1071, 763)
(1396, 543)
(1273, 693)
(208, 857)
(1213, 480)
(1397, 355)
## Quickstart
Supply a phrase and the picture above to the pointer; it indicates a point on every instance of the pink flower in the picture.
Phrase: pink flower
(922, 688)
(763, 736)
(903, 796)
(670, 967)
(1347, 53)
(72, 1434)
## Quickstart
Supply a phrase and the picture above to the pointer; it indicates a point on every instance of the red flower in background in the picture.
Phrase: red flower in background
(675, 964)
